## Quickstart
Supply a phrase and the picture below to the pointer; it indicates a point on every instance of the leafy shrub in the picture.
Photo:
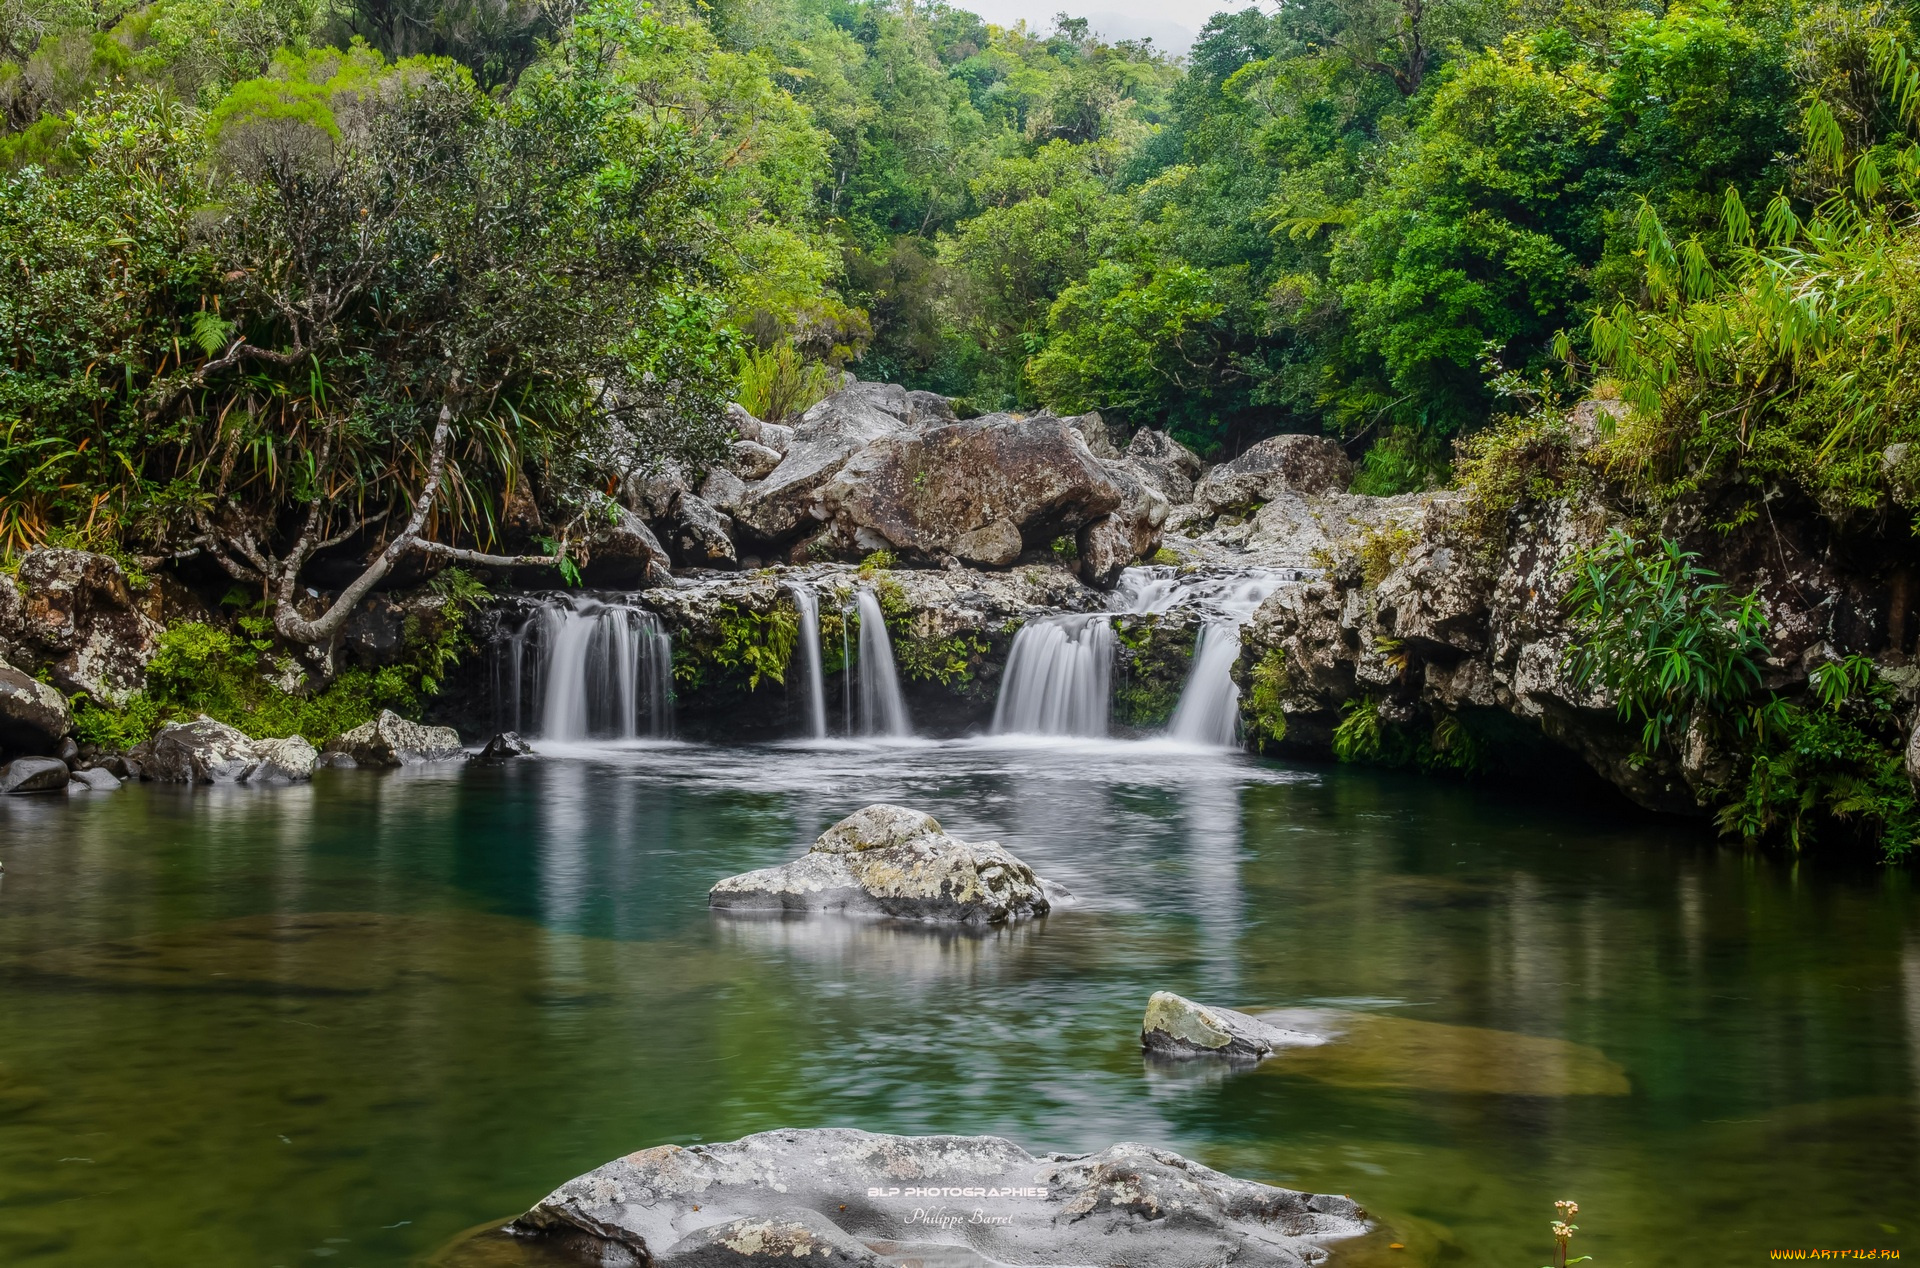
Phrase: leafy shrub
(1266, 721)
(777, 383)
(756, 645)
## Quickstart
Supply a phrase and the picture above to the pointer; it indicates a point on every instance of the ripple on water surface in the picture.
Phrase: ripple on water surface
(344, 1023)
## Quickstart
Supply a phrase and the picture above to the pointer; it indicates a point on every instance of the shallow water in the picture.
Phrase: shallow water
(342, 1024)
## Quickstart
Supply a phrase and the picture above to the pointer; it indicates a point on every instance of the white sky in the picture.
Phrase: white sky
(1171, 23)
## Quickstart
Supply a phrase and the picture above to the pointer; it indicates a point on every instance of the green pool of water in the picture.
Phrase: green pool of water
(341, 1024)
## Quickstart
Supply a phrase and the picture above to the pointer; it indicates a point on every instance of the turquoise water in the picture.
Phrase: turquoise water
(343, 1024)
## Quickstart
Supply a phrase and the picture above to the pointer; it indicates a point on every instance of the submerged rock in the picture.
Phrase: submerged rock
(34, 718)
(945, 1199)
(94, 779)
(391, 740)
(501, 749)
(891, 861)
(32, 775)
(1178, 1027)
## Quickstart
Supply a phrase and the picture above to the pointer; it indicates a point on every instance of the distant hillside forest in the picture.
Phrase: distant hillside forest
(260, 245)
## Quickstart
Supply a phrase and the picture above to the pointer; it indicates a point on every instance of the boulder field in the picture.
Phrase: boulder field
(840, 1196)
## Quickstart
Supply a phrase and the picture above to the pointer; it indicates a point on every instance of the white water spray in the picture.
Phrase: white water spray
(1209, 708)
(882, 709)
(1058, 678)
(816, 688)
(602, 669)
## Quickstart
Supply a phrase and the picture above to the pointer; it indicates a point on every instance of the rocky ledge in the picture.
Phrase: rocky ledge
(839, 1196)
(892, 862)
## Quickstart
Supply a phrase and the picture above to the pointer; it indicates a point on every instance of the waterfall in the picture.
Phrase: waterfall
(882, 710)
(1209, 708)
(1057, 678)
(809, 607)
(602, 669)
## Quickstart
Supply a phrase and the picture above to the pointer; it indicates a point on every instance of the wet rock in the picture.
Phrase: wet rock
(780, 1237)
(285, 761)
(32, 775)
(79, 609)
(1303, 464)
(391, 740)
(907, 1197)
(776, 508)
(921, 492)
(894, 862)
(623, 554)
(502, 748)
(1178, 1027)
(202, 751)
(94, 779)
(751, 460)
(34, 718)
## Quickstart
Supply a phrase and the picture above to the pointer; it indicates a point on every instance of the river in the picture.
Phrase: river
(343, 1023)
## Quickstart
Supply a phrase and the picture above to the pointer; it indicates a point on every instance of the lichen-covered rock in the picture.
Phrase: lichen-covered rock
(1913, 755)
(1303, 464)
(781, 1237)
(34, 718)
(80, 612)
(1178, 1027)
(202, 751)
(1106, 547)
(33, 775)
(894, 862)
(751, 460)
(391, 740)
(921, 492)
(1164, 463)
(502, 749)
(1105, 441)
(283, 761)
(701, 533)
(916, 1197)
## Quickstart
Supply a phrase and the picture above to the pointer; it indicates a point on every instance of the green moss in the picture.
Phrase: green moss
(1165, 557)
(951, 662)
(1266, 720)
(756, 645)
(234, 677)
(1155, 660)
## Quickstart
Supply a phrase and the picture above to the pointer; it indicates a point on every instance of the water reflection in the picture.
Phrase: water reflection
(391, 1006)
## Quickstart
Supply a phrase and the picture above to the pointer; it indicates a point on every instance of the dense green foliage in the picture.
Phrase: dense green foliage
(1684, 657)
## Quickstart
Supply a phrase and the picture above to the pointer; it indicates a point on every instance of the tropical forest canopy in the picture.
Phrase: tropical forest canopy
(275, 267)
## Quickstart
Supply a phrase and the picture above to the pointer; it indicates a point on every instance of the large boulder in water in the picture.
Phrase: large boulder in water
(926, 493)
(32, 775)
(203, 751)
(936, 1199)
(891, 861)
(1176, 1026)
(33, 716)
(391, 740)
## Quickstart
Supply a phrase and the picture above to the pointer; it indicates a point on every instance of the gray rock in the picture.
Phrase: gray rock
(652, 493)
(1104, 441)
(623, 553)
(32, 775)
(921, 492)
(1913, 754)
(776, 508)
(701, 533)
(391, 740)
(779, 1237)
(996, 545)
(1302, 464)
(929, 409)
(751, 460)
(285, 761)
(80, 610)
(893, 862)
(34, 718)
(502, 748)
(723, 490)
(777, 437)
(742, 421)
(202, 751)
(907, 1197)
(94, 779)
(1178, 1027)
(1106, 548)
(1164, 463)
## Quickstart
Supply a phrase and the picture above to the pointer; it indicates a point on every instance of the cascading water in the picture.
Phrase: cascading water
(1057, 679)
(601, 669)
(816, 686)
(1209, 708)
(882, 709)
